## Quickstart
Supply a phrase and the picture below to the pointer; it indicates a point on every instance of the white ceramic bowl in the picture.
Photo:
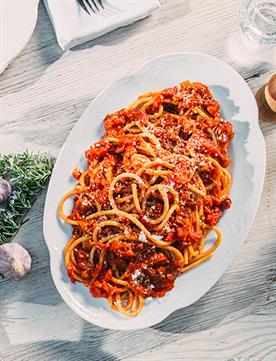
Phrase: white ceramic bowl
(248, 169)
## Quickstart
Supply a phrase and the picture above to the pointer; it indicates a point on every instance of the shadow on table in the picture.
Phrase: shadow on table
(200, 316)
(58, 120)
(63, 351)
(242, 58)
(48, 49)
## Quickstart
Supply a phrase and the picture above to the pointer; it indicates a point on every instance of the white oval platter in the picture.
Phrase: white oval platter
(248, 169)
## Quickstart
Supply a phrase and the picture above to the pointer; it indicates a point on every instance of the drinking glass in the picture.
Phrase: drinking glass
(258, 20)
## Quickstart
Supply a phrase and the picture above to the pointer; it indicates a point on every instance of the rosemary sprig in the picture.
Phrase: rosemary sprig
(28, 174)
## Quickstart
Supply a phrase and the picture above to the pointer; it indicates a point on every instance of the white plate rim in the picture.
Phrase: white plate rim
(258, 188)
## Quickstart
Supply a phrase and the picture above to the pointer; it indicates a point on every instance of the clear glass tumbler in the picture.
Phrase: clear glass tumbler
(258, 20)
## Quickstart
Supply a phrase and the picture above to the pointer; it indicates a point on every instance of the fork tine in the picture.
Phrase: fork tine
(83, 6)
(100, 2)
(87, 2)
(95, 4)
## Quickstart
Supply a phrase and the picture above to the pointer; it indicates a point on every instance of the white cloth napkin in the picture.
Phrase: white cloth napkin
(73, 26)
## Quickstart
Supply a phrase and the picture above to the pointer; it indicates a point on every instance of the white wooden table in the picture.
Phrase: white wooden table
(43, 93)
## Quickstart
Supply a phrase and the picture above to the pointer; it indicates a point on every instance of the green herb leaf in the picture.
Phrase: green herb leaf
(28, 174)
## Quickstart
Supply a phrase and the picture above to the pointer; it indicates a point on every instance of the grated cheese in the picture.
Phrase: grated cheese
(157, 238)
(135, 275)
(142, 237)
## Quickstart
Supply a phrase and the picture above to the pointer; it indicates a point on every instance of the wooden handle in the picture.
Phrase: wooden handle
(270, 93)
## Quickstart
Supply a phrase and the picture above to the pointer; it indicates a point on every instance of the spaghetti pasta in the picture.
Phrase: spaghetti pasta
(155, 187)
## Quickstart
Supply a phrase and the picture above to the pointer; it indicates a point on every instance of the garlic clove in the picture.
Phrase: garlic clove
(15, 261)
(5, 190)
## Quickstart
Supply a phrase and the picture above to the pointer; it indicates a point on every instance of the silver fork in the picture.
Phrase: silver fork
(91, 5)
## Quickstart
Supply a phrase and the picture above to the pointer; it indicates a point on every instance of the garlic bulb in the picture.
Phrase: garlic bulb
(15, 261)
(5, 190)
